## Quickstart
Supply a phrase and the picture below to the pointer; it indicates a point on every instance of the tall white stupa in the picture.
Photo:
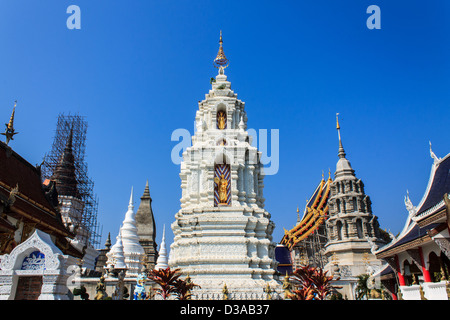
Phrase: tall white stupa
(222, 234)
(128, 237)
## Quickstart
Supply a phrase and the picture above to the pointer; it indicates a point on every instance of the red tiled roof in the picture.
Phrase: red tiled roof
(30, 201)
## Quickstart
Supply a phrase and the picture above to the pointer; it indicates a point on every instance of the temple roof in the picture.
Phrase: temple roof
(314, 215)
(432, 202)
(438, 185)
(20, 182)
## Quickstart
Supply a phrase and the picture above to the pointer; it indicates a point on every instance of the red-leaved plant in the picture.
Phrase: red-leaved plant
(313, 284)
(166, 279)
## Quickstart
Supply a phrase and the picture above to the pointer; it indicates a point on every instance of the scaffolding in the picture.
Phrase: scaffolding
(85, 185)
(310, 251)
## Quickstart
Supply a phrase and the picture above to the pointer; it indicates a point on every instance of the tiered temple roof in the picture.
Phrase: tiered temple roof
(429, 217)
(314, 215)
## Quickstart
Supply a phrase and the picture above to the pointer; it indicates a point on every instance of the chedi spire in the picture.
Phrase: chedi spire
(162, 262)
(64, 174)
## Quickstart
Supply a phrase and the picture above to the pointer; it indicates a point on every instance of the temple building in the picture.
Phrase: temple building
(353, 230)
(146, 229)
(417, 260)
(36, 251)
(338, 230)
(222, 233)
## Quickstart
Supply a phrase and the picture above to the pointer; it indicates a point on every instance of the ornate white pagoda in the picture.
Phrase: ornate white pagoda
(129, 239)
(222, 234)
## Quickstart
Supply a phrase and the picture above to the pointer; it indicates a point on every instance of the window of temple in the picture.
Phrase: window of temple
(355, 205)
(359, 228)
(339, 230)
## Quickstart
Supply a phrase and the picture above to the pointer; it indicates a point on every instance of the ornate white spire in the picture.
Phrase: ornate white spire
(341, 153)
(162, 262)
(129, 239)
(343, 166)
(116, 255)
(129, 230)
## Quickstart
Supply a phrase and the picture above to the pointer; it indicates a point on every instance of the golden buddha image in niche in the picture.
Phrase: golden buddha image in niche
(221, 120)
(222, 184)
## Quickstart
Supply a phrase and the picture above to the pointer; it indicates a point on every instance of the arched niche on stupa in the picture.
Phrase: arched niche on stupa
(220, 115)
(222, 180)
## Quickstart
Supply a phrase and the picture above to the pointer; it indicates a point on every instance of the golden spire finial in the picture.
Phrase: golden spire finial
(10, 131)
(221, 61)
(341, 153)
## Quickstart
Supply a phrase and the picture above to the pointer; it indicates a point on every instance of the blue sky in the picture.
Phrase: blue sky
(136, 70)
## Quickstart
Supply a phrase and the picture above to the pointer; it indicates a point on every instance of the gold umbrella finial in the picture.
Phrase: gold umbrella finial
(221, 61)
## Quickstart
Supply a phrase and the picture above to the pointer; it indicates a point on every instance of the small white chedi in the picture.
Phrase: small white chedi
(162, 261)
(222, 234)
(127, 247)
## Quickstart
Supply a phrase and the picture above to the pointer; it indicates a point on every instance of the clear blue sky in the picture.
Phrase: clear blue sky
(136, 70)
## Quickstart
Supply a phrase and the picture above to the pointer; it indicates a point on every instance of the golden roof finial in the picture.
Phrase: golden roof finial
(337, 122)
(221, 61)
(10, 131)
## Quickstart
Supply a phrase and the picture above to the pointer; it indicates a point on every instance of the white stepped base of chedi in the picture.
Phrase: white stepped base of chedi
(228, 247)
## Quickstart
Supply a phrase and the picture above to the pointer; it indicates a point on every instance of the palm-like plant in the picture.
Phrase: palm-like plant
(362, 290)
(166, 279)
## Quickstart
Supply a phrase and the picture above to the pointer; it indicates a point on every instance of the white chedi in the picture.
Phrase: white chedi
(231, 243)
(116, 258)
(162, 262)
(128, 237)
